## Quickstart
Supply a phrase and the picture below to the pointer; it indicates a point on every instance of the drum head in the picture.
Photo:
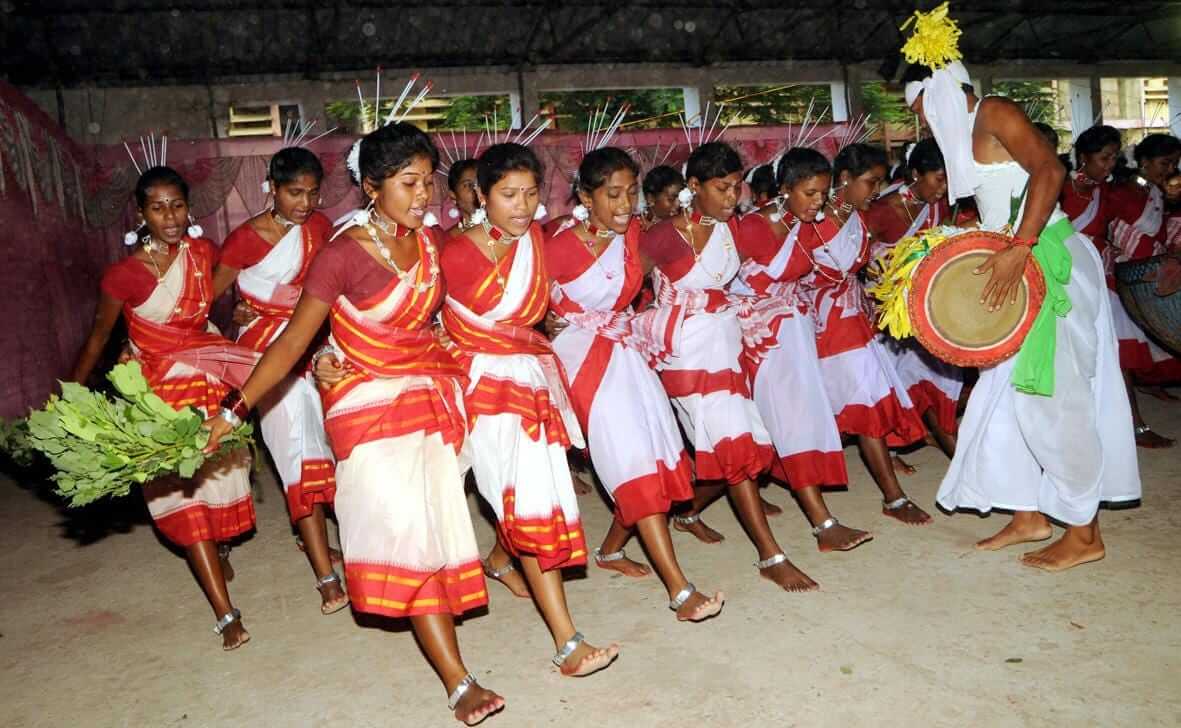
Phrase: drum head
(945, 308)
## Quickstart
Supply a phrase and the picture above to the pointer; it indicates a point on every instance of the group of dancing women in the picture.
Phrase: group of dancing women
(692, 351)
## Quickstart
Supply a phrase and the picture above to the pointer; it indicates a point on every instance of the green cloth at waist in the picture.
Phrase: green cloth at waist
(1034, 372)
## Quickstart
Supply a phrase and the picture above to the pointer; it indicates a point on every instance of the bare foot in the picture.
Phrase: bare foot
(908, 513)
(788, 577)
(333, 598)
(699, 607)
(476, 704)
(581, 487)
(587, 659)
(1066, 552)
(508, 575)
(1017, 532)
(1150, 440)
(704, 533)
(234, 636)
(223, 555)
(333, 553)
(903, 467)
(624, 566)
(841, 538)
(769, 508)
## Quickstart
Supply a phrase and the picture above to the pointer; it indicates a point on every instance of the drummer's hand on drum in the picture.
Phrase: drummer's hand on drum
(1007, 268)
(1167, 277)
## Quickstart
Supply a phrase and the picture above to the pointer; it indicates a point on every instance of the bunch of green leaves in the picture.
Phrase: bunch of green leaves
(102, 446)
(14, 442)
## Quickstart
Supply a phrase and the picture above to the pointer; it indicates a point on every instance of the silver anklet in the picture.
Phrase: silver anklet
(464, 685)
(682, 596)
(770, 561)
(827, 524)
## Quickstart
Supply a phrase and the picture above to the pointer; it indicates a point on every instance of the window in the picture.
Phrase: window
(262, 119)
(650, 108)
(434, 113)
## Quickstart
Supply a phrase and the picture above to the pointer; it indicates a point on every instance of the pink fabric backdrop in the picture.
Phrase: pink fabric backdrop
(64, 209)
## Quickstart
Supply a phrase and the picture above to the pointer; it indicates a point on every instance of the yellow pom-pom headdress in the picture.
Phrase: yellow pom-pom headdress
(935, 41)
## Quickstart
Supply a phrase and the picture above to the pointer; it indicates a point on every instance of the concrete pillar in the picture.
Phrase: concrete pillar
(1096, 100)
(694, 104)
(1175, 105)
(1082, 112)
(524, 102)
(840, 101)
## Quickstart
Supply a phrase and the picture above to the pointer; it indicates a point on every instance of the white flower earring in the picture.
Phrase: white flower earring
(479, 216)
(453, 213)
(353, 161)
(685, 197)
(429, 220)
(195, 230)
(361, 217)
(580, 213)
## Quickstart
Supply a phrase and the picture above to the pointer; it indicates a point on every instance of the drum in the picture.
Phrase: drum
(1159, 316)
(944, 302)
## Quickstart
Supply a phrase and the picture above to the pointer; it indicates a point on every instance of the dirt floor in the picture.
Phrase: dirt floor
(103, 626)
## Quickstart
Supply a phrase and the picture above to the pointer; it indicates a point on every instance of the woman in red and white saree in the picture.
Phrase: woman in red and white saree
(164, 290)
(786, 381)
(635, 445)
(268, 256)
(1126, 222)
(868, 398)
(520, 417)
(934, 386)
(694, 258)
(395, 419)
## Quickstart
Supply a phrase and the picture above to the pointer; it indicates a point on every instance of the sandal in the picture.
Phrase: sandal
(331, 578)
(683, 596)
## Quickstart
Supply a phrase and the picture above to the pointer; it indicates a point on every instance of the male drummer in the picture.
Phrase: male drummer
(1047, 433)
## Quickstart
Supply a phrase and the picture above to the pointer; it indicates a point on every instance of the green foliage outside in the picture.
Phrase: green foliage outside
(771, 105)
(652, 107)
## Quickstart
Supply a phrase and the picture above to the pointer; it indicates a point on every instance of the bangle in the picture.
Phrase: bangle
(235, 403)
(230, 417)
(322, 351)
(1026, 242)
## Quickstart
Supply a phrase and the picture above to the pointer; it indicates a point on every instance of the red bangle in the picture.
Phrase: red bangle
(1027, 242)
(236, 403)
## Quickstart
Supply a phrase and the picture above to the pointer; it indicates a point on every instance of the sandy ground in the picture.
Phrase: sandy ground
(103, 626)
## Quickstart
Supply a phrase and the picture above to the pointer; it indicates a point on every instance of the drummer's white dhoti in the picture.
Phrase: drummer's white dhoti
(1061, 455)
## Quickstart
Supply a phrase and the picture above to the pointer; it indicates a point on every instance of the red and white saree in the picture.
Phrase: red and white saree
(187, 362)
(396, 424)
(520, 418)
(292, 418)
(786, 381)
(632, 434)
